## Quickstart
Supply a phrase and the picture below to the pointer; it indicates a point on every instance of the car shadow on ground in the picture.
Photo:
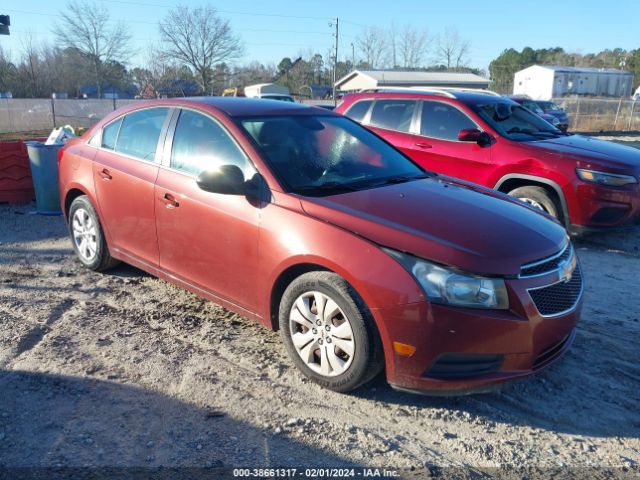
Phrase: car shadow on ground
(549, 400)
(55, 420)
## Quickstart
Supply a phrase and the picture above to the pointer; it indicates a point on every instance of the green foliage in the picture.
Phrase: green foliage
(510, 61)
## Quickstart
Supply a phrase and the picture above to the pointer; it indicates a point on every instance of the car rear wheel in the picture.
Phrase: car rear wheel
(87, 236)
(329, 332)
(540, 198)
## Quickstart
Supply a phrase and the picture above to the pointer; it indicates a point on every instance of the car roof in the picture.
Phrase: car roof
(242, 106)
(464, 96)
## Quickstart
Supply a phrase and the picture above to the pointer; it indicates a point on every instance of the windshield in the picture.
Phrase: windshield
(323, 155)
(515, 123)
(549, 106)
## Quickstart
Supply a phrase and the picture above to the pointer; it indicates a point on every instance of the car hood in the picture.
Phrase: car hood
(446, 221)
(610, 154)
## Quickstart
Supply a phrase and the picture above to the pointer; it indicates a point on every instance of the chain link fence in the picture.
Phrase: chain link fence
(601, 114)
(28, 115)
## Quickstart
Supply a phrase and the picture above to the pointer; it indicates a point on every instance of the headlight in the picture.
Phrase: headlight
(603, 178)
(451, 287)
(555, 121)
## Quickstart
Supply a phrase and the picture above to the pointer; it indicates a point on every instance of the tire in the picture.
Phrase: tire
(540, 198)
(87, 236)
(319, 338)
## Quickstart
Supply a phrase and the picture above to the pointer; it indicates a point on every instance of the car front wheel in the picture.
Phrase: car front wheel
(329, 332)
(539, 198)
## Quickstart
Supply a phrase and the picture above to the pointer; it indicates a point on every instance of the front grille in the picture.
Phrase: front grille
(544, 266)
(548, 354)
(560, 297)
(464, 365)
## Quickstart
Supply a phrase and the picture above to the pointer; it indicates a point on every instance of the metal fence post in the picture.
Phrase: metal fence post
(615, 122)
(575, 123)
(53, 110)
(633, 105)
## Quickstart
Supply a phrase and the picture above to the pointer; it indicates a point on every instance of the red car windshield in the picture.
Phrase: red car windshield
(515, 123)
(321, 155)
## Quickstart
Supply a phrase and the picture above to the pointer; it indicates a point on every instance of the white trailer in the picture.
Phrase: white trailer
(270, 91)
(544, 82)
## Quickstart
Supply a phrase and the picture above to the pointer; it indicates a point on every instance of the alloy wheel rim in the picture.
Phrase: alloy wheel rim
(321, 334)
(533, 203)
(84, 234)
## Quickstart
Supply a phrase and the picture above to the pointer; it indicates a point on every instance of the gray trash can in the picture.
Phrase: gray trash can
(44, 172)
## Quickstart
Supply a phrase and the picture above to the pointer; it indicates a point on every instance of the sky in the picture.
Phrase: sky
(286, 28)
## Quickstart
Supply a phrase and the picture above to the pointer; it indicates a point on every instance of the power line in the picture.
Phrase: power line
(229, 12)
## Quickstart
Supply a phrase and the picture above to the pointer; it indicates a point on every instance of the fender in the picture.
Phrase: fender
(546, 181)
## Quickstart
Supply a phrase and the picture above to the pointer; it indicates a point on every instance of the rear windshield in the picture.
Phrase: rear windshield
(318, 155)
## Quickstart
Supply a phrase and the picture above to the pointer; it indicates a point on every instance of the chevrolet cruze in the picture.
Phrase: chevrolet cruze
(305, 221)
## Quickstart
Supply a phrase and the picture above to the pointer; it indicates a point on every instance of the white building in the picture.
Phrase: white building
(544, 82)
(367, 79)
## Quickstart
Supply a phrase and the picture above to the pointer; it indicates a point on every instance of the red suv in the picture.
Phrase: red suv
(491, 140)
(305, 221)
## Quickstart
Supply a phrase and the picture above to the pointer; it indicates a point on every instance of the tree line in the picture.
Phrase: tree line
(503, 67)
(197, 54)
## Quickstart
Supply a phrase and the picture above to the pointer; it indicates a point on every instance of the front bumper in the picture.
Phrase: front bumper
(600, 207)
(460, 351)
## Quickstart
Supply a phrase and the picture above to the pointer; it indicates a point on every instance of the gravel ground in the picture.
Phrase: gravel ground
(121, 369)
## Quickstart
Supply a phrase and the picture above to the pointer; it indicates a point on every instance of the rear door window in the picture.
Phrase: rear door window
(393, 114)
(200, 143)
(140, 132)
(358, 110)
(439, 120)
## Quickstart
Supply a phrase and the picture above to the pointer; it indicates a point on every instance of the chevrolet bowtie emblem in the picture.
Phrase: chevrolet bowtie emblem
(566, 269)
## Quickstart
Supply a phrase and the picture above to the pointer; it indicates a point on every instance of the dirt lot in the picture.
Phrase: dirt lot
(123, 369)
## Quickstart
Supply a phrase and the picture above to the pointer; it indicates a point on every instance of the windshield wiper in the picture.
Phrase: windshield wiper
(535, 133)
(327, 187)
(399, 179)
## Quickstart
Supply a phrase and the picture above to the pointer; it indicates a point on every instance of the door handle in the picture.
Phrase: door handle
(169, 200)
(423, 145)
(104, 173)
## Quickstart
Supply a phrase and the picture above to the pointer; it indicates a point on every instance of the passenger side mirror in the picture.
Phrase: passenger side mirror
(475, 135)
(228, 180)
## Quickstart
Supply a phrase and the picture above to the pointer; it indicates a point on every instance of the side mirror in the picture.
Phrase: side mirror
(469, 135)
(474, 135)
(228, 180)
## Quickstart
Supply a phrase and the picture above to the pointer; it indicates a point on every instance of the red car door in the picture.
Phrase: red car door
(208, 240)
(437, 147)
(125, 170)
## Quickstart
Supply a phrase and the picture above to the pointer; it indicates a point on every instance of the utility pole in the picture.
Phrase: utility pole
(353, 56)
(335, 60)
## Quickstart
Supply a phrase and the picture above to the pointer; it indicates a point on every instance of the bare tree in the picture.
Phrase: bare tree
(372, 45)
(413, 43)
(7, 71)
(30, 65)
(86, 27)
(392, 42)
(198, 37)
(452, 51)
